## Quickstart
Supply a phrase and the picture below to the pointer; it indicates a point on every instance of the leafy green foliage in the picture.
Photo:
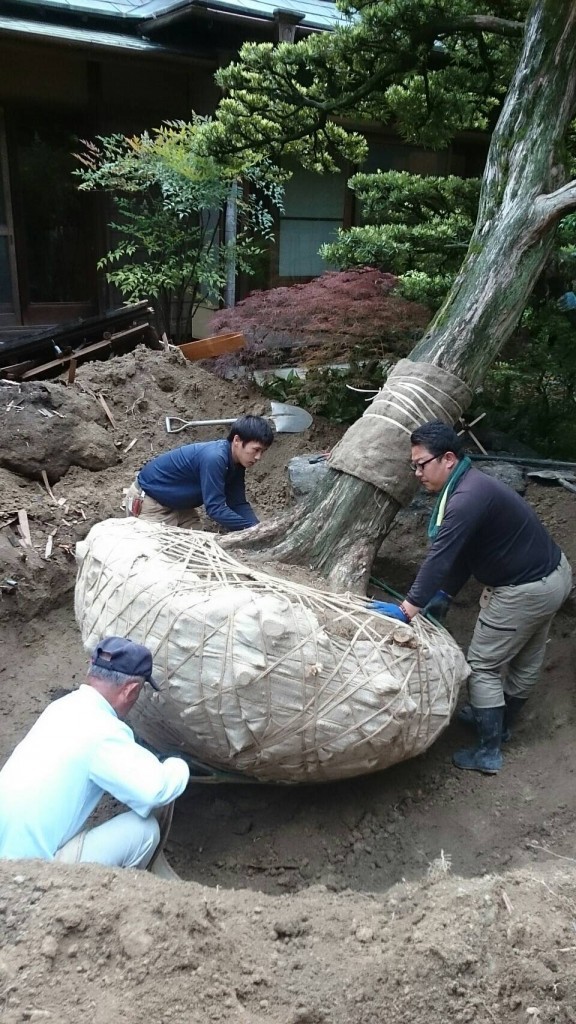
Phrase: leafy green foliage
(429, 289)
(439, 245)
(324, 392)
(420, 228)
(433, 67)
(398, 197)
(566, 253)
(170, 199)
(532, 392)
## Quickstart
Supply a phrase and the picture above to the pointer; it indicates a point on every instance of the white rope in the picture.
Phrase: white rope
(417, 405)
(387, 419)
(263, 674)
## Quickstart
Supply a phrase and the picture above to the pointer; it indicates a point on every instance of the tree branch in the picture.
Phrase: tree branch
(556, 204)
(485, 23)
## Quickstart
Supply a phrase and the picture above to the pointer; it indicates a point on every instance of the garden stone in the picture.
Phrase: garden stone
(508, 473)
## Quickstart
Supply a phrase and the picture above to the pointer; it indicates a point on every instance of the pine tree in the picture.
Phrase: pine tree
(436, 67)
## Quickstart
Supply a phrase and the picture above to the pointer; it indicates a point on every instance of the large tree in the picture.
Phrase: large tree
(432, 67)
(435, 67)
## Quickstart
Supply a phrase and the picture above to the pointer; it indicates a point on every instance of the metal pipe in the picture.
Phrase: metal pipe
(524, 460)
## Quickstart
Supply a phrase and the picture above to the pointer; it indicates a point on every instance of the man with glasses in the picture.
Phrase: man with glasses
(78, 750)
(480, 527)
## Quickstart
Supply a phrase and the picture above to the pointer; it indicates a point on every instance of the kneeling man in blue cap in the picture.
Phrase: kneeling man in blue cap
(79, 749)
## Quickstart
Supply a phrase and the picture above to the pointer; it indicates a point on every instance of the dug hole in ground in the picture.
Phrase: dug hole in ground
(420, 894)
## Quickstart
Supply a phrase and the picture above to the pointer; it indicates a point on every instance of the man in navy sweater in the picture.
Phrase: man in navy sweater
(170, 487)
(482, 528)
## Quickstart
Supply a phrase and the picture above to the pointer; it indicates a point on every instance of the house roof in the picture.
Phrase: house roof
(315, 14)
(23, 28)
(112, 8)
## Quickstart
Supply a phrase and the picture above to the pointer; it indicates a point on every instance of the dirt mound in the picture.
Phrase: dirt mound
(96, 945)
(46, 427)
(90, 438)
(295, 909)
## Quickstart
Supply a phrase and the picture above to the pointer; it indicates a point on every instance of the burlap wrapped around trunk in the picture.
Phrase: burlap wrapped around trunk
(260, 674)
(376, 447)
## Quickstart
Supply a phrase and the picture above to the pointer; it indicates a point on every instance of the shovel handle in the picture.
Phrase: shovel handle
(568, 486)
(170, 429)
(208, 423)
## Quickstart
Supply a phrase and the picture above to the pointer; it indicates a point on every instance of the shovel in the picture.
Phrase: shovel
(287, 419)
(552, 476)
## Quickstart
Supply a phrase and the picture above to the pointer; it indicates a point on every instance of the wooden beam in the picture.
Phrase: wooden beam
(78, 353)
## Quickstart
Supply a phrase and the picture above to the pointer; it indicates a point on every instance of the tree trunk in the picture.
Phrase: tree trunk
(339, 529)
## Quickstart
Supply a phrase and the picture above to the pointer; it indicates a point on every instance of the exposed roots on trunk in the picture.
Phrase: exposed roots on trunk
(337, 532)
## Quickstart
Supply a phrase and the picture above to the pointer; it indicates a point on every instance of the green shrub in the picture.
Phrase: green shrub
(170, 201)
(531, 393)
(419, 228)
(324, 390)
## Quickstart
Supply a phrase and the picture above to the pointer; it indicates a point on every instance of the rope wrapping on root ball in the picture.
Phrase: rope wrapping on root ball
(262, 675)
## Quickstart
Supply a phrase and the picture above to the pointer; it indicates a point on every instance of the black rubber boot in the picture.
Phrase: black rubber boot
(466, 716)
(514, 707)
(486, 757)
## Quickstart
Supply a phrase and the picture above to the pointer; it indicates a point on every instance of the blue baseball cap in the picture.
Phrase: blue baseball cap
(118, 654)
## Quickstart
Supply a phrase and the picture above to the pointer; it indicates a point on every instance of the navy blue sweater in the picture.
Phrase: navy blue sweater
(488, 532)
(200, 474)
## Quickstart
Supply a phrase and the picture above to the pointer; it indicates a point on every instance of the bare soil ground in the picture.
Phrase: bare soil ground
(421, 894)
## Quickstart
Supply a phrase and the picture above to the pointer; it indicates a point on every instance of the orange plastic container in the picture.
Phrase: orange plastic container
(217, 345)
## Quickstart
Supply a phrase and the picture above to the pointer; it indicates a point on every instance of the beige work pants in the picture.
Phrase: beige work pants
(509, 642)
(153, 512)
(125, 841)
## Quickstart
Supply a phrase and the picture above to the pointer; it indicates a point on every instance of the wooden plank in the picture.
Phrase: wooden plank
(79, 353)
(106, 408)
(96, 347)
(24, 528)
(476, 441)
(47, 486)
(209, 348)
(16, 370)
(71, 335)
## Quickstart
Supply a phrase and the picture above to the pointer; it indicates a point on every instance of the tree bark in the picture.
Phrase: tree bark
(523, 196)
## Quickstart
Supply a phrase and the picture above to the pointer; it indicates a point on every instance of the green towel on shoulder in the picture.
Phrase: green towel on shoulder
(437, 517)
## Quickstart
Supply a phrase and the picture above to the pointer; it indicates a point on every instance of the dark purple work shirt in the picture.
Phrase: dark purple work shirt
(488, 532)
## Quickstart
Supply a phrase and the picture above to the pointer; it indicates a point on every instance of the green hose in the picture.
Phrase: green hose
(384, 586)
(400, 597)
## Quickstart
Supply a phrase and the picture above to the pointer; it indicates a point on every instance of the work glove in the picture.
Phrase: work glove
(387, 608)
(567, 301)
(438, 606)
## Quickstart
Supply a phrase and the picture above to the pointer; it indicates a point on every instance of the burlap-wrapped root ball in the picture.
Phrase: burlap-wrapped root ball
(260, 674)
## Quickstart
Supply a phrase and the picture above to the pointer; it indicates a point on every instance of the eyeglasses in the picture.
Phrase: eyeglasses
(417, 466)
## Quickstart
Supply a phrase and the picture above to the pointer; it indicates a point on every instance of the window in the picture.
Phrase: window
(313, 212)
(55, 217)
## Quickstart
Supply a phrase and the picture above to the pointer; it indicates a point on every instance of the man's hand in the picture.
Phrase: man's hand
(438, 606)
(392, 610)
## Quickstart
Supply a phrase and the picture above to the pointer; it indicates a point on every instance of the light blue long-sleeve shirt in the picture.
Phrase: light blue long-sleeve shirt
(77, 750)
